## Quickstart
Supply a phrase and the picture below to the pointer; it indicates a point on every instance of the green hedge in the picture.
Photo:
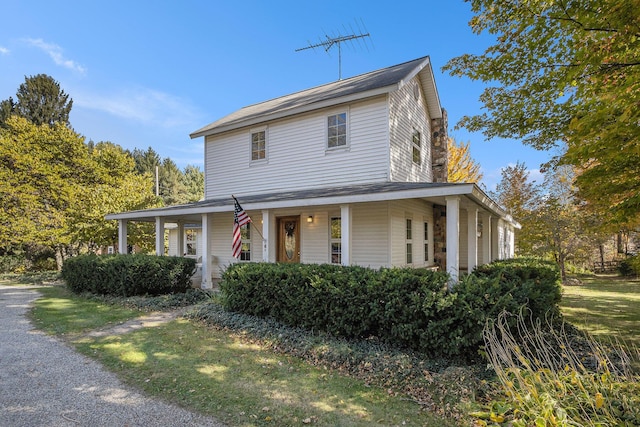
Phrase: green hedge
(407, 307)
(128, 275)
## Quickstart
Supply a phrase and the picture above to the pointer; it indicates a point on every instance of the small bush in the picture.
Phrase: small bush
(128, 275)
(630, 266)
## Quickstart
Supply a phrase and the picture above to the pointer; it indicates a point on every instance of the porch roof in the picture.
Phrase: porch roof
(471, 195)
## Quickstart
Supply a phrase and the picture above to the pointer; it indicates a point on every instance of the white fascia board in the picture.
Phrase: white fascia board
(294, 111)
(462, 189)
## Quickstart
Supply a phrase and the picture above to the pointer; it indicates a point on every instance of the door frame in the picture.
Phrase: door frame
(280, 241)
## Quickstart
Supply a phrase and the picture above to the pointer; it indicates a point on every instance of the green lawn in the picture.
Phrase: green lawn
(606, 306)
(221, 373)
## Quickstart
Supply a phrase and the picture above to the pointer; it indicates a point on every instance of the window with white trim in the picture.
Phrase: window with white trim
(258, 145)
(245, 249)
(416, 146)
(337, 130)
(191, 240)
(335, 240)
(409, 241)
(426, 241)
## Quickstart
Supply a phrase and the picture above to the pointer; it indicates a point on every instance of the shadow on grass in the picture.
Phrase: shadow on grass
(607, 307)
(244, 384)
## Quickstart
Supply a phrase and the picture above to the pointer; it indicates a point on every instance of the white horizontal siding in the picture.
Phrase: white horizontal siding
(419, 212)
(370, 234)
(314, 238)
(407, 113)
(297, 157)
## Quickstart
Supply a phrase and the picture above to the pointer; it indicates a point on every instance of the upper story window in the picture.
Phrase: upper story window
(416, 146)
(258, 145)
(337, 130)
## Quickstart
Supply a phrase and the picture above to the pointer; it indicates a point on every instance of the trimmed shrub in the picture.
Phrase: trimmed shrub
(128, 275)
(407, 307)
(629, 266)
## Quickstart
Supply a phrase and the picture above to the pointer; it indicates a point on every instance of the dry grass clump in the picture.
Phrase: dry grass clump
(552, 375)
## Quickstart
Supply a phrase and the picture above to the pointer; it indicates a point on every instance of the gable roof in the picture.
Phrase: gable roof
(366, 85)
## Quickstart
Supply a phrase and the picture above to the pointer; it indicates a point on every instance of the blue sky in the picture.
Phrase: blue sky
(147, 73)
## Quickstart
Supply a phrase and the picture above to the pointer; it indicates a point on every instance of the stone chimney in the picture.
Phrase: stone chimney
(439, 154)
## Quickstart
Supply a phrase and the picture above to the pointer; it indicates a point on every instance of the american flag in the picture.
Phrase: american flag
(240, 218)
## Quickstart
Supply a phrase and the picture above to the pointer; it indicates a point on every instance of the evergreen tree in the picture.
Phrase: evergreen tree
(42, 101)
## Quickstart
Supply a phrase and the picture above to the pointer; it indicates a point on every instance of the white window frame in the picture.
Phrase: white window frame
(245, 245)
(266, 144)
(426, 241)
(346, 134)
(416, 147)
(335, 240)
(191, 238)
(408, 224)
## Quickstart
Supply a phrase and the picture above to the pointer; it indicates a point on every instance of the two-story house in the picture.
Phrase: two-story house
(353, 172)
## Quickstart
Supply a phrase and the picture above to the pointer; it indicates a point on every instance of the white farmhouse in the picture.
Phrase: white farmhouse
(353, 172)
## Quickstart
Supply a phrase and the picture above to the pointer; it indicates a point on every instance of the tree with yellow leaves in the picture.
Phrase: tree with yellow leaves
(461, 167)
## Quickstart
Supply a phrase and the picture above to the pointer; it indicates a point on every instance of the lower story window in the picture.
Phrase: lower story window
(192, 242)
(336, 240)
(245, 250)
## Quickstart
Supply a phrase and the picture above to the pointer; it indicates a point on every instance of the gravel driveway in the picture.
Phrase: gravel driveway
(43, 382)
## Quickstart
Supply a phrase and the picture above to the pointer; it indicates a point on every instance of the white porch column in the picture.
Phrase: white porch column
(486, 238)
(472, 238)
(345, 237)
(122, 236)
(180, 242)
(206, 253)
(266, 228)
(159, 236)
(495, 236)
(453, 234)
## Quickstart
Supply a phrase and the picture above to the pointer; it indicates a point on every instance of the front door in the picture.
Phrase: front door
(289, 239)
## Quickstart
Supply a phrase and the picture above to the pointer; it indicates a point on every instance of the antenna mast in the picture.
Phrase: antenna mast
(330, 42)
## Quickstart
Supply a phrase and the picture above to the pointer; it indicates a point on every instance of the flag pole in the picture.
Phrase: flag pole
(256, 228)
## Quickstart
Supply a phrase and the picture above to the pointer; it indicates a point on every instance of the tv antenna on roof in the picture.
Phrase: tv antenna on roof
(336, 40)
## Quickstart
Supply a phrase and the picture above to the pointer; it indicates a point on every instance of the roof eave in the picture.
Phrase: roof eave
(294, 111)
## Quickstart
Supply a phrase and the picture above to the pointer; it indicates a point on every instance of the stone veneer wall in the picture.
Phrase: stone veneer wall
(440, 236)
(439, 154)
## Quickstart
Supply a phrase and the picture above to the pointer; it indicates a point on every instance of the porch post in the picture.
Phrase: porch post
(206, 254)
(180, 242)
(472, 238)
(486, 238)
(345, 237)
(495, 235)
(266, 228)
(159, 236)
(122, 236)
(453, 236)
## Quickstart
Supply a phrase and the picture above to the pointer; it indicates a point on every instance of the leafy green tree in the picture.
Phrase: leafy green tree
(519, 195)
(117, 188)
(146, 161)
(7, 108)
(565, 72)
(193, 179)
(461, 167)
(41, 101)
(171, 182)
(43, 170)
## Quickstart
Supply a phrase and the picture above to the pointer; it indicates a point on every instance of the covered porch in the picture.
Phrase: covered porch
(453, 227)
